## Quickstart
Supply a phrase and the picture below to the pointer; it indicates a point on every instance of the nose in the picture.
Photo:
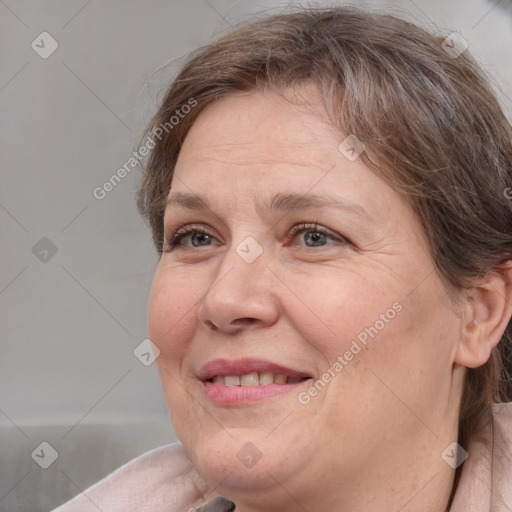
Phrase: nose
(240, 296)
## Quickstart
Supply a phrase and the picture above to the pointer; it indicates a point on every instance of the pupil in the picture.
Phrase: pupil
(315, 237)
(199, 238)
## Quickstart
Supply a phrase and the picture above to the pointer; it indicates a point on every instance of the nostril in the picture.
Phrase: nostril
(244, 321)
(211, 325)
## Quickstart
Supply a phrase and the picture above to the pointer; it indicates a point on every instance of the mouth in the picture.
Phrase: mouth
(243, 381)
(255, 379)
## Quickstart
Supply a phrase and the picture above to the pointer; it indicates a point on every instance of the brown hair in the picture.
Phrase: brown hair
(431, 125)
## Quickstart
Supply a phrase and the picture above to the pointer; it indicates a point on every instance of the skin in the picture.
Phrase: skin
(372, 439)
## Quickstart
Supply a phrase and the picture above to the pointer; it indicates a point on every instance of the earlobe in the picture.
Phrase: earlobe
(487, 313)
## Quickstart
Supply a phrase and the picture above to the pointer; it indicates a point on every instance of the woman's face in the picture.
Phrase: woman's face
(299, 263)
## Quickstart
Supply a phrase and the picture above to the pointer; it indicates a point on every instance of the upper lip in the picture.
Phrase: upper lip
(239, 367)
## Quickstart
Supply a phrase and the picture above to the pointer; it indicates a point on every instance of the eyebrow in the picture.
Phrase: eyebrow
(283, 202)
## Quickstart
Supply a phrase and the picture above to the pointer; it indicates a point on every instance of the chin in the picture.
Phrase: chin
(242, 461)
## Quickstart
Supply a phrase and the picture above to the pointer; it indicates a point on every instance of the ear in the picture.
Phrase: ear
(487, 312)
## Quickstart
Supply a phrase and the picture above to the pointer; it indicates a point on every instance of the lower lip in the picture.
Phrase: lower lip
(220, 394)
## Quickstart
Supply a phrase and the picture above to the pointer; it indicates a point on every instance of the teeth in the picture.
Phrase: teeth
(266, 378)
(280, 378)
(250, 379)
(232, 380)
(254, 379)
(218, 379)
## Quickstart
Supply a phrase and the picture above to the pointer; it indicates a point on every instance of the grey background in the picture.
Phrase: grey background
(70, 321)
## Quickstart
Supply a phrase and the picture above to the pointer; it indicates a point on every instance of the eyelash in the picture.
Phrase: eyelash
(171, 241)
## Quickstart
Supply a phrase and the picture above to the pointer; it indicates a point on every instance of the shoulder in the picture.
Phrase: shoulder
(486, 479)
(158, 480)
(502, 450)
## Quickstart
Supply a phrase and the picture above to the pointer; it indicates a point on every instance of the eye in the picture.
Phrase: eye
(317, 235)
(197, 236)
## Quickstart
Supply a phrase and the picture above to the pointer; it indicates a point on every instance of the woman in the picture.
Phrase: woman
(327, 189)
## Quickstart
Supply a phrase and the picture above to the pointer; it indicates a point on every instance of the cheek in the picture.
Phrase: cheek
(407, 365)
(171, 313)
(171, 325)
(340, 307)
(386, 337)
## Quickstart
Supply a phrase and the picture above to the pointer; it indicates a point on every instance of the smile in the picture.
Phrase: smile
(246, 381)
(255, 379)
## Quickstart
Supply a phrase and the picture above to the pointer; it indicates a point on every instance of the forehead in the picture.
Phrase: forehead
(277, 125)
(262, 143)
